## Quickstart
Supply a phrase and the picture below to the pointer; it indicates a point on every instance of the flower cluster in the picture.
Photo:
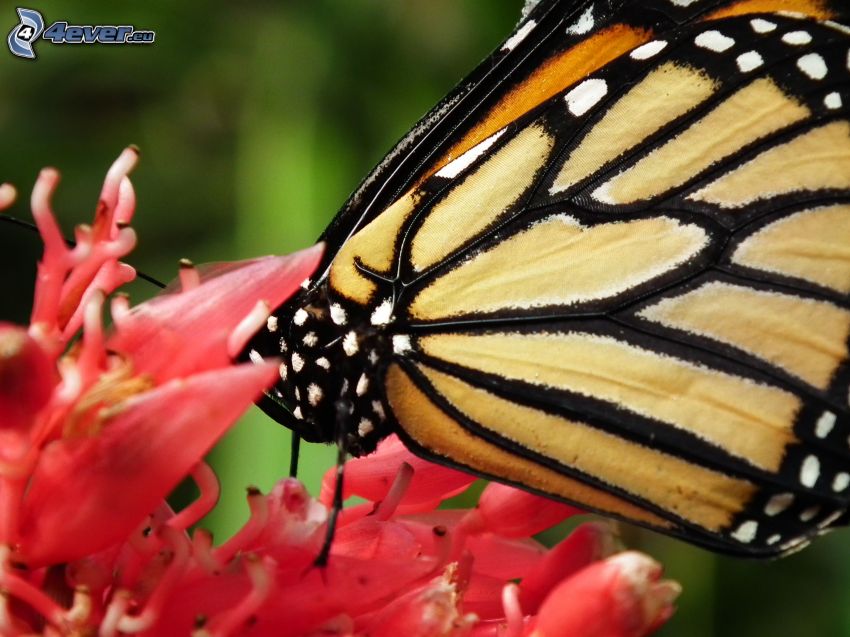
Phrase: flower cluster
(98, 426)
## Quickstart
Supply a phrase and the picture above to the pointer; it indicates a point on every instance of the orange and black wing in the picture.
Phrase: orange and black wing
(615, 265)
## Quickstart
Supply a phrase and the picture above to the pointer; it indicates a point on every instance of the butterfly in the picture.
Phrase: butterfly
(611, 267)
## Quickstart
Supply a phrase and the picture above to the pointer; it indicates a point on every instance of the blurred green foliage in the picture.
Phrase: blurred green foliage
(256, 119)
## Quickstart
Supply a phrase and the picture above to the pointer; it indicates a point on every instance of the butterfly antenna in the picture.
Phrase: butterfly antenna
(71, 243)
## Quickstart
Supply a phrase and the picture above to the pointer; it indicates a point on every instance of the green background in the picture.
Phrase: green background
(255, 120)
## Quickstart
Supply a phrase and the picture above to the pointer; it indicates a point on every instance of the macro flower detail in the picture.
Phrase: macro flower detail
(97, 427)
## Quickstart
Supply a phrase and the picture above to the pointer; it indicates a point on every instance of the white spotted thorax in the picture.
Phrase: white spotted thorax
(331, 362)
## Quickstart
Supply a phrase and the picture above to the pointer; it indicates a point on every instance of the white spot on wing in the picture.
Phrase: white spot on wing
(528, 7)
(833, 101)
(297, 362)
(746, 531)
(773, 539)
(778, 503)
(749, 61)
(271, 323)
(349, 344)
(841, 481)
(714, 41)
(306, 283)
(323, 362)
(512, 42)
(797, 38)
(362, 385)
(648, 50)
(584, 24)
(457, 166)
(365, 427)
(809, 471)
(586, 95)
(338, 314)
(283, 370)
(813, 65)
(383, 313)
(684, 3)
(401, 343)
(809, 513)
(378, 408)
(300, 317)
(824, 424)
(762, 26)
(314, 394)
(255, 357)
(310, 339)
(297, 413)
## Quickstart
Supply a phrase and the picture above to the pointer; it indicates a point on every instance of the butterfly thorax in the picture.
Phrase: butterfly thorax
(330, 372)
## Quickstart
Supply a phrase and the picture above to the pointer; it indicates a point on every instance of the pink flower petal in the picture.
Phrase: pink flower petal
(622, 596)
(512, 512)
(504, 558)
(370, 477)
(89, 492)
(431, 610)
(184, 333)
(588, 543)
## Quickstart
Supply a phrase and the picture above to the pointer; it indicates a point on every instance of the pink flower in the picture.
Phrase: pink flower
(95, 433)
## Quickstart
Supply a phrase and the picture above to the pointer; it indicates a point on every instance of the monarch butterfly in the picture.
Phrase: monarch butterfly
(609, 267)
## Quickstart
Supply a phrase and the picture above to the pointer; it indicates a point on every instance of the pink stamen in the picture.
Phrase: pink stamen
(109, 278)
(135, 554)
(178, 542)
(126, 205)
(53, 265)
(82, 276)
(190, 278)
(259, 507)
(11, 584)
(260, 573)
(114, 612)
(205, 478)
(119, 308)
(109, 194)
(84, 243)
(401, 482)
(513, 611)
(443, 543)
(202, 542)
(92, 354)
(247, 327)
(81, 608)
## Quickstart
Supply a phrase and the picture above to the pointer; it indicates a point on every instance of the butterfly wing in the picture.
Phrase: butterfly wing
(614, 266)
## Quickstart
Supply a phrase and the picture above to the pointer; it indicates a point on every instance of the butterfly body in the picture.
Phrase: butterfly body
(333, 360)
(611, 268)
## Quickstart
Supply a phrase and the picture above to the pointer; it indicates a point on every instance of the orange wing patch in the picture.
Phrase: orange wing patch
(547, 80)
(812, 8)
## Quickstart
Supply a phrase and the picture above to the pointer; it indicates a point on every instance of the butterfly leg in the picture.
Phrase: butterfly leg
(342, 415)
(294, 454)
